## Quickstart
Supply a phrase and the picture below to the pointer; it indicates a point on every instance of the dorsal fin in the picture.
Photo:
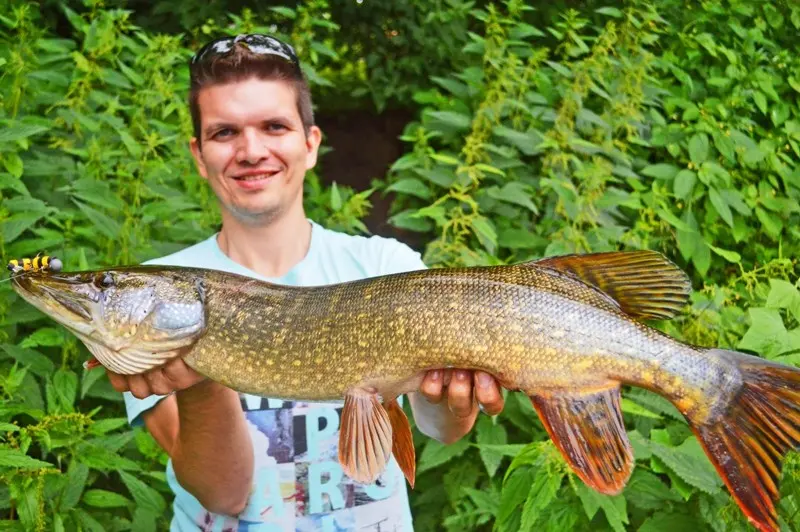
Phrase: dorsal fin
(645, 283)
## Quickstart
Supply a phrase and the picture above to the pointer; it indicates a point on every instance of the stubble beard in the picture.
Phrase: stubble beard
(254, 217)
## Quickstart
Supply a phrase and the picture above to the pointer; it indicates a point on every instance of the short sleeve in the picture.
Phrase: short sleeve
(136, 407)
(396, 257)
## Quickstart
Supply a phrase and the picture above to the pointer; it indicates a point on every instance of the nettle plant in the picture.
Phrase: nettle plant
(623, 127)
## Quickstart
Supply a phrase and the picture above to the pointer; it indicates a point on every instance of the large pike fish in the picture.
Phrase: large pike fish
(567, 331)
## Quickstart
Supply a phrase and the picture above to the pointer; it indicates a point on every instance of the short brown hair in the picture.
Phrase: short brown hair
(240, 64)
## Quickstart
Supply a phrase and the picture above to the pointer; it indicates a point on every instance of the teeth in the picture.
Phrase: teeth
(255, 177)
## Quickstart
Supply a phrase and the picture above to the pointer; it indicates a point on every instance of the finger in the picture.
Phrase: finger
(488, 393)
(158, 382)
(431, 387)
(181, 376)
(459, 394)
(138, 386)
(118, 382)
(447, 377)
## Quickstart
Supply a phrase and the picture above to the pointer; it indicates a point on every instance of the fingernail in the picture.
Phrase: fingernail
(461, 375)
(435, 375)
(484, 379)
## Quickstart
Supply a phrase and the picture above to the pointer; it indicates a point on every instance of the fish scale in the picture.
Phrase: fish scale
(567, 331)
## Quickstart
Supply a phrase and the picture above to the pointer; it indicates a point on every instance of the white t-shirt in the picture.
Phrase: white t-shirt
(298, 482)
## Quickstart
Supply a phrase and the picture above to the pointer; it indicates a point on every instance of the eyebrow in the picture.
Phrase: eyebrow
(211, 128)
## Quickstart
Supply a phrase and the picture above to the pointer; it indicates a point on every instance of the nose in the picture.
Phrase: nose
(252, 147)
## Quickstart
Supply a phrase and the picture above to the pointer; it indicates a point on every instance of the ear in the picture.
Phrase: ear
(313, 139)
(194, 145)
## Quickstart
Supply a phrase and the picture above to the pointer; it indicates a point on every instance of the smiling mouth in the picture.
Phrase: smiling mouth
(256, 177)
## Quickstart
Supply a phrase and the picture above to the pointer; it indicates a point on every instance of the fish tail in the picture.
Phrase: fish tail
(748, 439)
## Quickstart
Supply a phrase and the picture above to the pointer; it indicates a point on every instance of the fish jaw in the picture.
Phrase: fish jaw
(132, 320)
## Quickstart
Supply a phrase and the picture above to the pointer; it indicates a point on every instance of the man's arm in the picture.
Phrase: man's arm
(203, 430)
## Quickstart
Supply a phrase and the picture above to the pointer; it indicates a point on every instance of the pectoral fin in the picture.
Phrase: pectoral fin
(645, 284)
(365, 438)
(587, 428)
(402, 442)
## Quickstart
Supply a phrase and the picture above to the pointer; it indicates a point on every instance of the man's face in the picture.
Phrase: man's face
(254, 150)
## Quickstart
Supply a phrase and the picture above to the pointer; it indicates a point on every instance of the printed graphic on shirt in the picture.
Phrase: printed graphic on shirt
(299, 483)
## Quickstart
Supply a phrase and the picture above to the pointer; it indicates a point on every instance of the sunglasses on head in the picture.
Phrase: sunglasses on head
(257, 43)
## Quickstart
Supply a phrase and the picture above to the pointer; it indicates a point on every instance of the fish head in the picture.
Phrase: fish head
(132, 320)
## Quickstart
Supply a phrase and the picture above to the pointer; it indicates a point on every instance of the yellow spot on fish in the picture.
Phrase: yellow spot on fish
(296, 363)
(270, 362)
(362, 364)
(250, 368)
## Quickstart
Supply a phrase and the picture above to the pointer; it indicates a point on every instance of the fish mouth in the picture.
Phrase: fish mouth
(67, 299)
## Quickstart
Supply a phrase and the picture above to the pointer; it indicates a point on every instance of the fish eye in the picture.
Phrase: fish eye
(104, 280)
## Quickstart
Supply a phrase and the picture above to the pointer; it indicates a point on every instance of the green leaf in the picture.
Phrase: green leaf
(614, 508)
(13, 163)
(105, 499)
(485, 232)
(730, 256)
(18, 131)
(145, 496)
(489, 436)
(17, 224)
(646, 491)
(610, 11)
(761, 101)
(520, 239)
(38, 364)
(767, 334)
(661, 171)
(629, 407)
(449, 121)
(46, 336)
(783, 294)
(720, 206)
(77, 475)
(689, 462)
(515, 192)
(698, 148)
(18, 460)
(725, 146)
(336, 198)
(65, 383)
(684, 184)
(435, 453)
(100, 221)
(527, 142)
(516, 490)
(670, 520)
(411, 186)
(542, 492)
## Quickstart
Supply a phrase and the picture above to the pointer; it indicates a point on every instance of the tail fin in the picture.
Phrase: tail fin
(747, 444)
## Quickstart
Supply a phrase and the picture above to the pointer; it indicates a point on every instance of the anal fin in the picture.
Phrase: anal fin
(402, 441)
(365, 437)
(587, 427)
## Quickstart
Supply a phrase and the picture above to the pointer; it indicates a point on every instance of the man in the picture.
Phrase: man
(240, 462)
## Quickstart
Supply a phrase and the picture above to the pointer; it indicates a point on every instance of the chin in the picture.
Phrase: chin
(254, 215)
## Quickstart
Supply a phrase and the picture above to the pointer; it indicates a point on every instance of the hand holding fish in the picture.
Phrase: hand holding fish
(173, 376)
(465, 391)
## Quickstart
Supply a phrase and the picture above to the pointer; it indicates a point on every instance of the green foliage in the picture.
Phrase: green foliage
(594, 126)
(617, 127)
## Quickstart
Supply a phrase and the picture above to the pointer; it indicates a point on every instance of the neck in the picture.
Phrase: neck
(271, 249)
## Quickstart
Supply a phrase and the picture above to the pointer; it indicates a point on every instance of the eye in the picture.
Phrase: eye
(104, 280)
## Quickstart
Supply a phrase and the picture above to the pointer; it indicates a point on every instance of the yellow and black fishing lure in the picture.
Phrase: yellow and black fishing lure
(39, 263)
